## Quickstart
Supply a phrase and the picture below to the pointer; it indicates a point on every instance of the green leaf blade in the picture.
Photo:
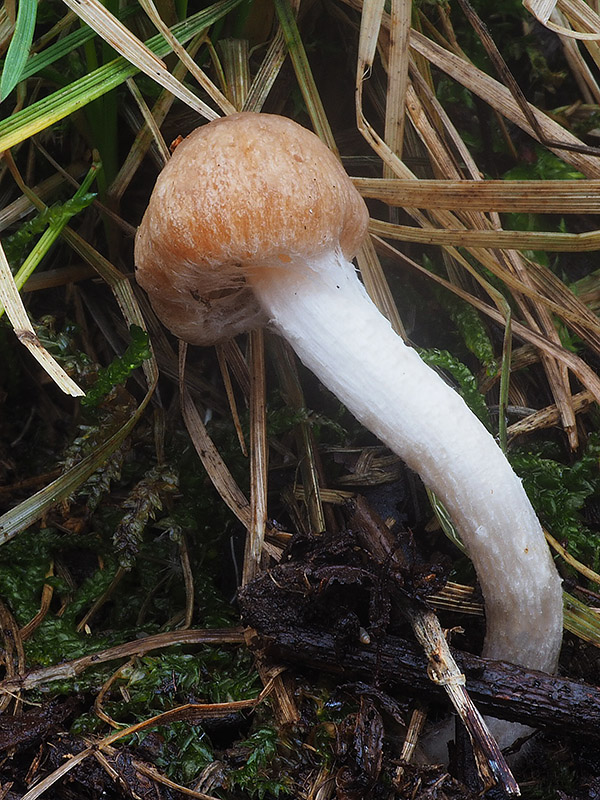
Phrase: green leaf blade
(20, 45)
(45, 112)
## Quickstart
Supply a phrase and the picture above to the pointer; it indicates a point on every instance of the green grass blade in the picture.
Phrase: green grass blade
(581, 620)
(303, 72)
(20, 44)
(60, 104)
(53, 231)
(505, 383)
(61, 48)
(121, 39)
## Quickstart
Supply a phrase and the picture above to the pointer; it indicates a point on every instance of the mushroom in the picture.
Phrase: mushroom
(253, 221)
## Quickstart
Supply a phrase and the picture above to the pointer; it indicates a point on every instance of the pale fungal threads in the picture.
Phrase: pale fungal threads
(279, 191)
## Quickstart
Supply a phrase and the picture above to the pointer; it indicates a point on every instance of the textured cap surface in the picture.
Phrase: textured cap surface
(240, 193)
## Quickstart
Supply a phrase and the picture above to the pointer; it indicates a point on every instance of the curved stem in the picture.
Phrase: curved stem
(324, 312)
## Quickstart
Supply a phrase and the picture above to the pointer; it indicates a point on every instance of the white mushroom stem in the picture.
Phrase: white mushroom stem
(322, 309)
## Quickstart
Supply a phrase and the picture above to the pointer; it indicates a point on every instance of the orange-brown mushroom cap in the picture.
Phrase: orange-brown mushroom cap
(244, 192)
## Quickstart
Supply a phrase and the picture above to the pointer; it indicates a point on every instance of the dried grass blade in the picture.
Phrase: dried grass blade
(397, 72)
(304, 75)
(216, 468)
(235, 54)
(13, 654)
(560, 299)
(267, 73)
(548, 417)
(504, 382)
(556, 372)
(369, 31)
(136, 52)
(226, 376)
(149, 120)
(499, 97)
(370, 24)
(121, 289)
(532, 197)
(581, 620)
(443, 162)
(22, 206)
(238, 365)
(541, 9)
(57, 30)
(586, 80)
(550, 291)
(58, 773)
(209, 87)
(45, 600)
(7, 24)
(15, 311)
(312, 493)
(572, 561)
(443, 670)
(533, 280)
(457, 597)
(578, 367)
(579, 13)
(259, 455)
(509, 240)
(545, 289)
(583, 13)
(377, 285)
(371, 270)
(150, 131)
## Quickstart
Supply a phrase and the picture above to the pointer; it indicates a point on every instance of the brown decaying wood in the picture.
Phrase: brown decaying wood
(500, 689)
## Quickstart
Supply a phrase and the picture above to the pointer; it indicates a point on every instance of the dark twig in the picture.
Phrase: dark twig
(442, 669)
(500, 689)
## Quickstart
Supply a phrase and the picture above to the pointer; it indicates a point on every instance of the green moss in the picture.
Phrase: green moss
(120, 368)
(559, 493)
(467, 383)
(259, 776)
(16, 245)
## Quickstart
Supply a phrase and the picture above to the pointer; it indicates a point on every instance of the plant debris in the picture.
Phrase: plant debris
(473, 134)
